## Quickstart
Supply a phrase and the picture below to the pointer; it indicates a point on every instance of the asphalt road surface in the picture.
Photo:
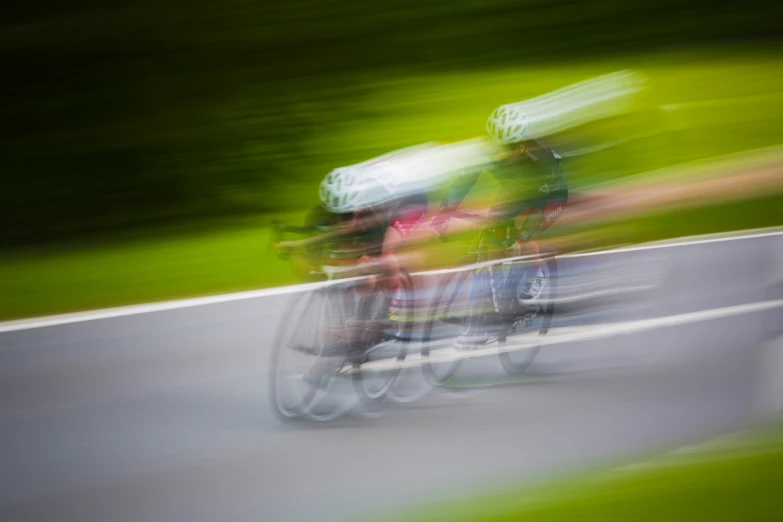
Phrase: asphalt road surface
(166, 416)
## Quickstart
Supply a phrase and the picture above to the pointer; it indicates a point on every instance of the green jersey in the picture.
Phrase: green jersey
(528, 180)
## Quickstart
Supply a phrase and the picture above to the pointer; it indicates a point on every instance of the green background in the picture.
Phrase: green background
(147, 145)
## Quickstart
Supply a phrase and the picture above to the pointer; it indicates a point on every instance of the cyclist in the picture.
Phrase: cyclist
(366, 222)
(376, 206)
(371, 210)
(532, 183)
(363, 222)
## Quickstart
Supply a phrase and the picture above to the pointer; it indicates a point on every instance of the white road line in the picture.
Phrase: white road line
(107, 313)
(686, 241)
(739, 443)
(691, 241)
(572, 334)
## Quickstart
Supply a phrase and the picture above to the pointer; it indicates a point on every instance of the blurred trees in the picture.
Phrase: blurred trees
(135, 114)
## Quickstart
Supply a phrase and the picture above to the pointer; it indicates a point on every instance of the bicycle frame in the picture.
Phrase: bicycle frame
(485, 276)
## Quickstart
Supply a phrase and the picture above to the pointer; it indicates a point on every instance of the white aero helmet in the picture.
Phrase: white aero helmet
(507, 124)
(350, 188)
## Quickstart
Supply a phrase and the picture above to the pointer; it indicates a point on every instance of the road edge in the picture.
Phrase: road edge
(161, 306)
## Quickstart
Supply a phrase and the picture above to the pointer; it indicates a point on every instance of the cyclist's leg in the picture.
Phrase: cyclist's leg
(524, 245)
(501, 236)
(534, 225)
(552, 211)
(405, 221)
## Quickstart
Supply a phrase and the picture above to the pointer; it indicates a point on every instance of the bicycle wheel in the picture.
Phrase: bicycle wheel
(457, 305)
(535, 322)
(386, 318)
(410, 384)
(306, 376)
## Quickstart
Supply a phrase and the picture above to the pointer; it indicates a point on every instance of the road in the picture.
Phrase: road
(165, 416)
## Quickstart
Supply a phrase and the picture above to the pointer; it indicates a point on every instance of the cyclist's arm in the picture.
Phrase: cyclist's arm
(314, 240)
(389, 261)
(337, 231)
(459, 190)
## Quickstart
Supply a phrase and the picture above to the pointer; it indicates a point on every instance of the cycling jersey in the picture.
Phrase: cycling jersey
(403, 214)
(531, 182)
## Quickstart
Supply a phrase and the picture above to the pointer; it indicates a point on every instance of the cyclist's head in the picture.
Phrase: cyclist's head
(339, 190)
(507, 124)
(346, 190)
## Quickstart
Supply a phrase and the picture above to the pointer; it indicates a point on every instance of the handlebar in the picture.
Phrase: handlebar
(278, 229)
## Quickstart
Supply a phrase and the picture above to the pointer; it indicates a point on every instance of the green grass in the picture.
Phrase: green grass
(36, 283)
(40, 282)
(715, 105)
(739, 215)
(698, 105)
(735, 487)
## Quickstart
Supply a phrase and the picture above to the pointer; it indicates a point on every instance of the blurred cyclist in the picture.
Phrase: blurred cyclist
(375, 207)
(363, 221)
(532, 184)
(367, 221)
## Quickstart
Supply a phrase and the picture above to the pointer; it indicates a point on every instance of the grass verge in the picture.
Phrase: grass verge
(38, 282)
(731, 486)
(35, 283)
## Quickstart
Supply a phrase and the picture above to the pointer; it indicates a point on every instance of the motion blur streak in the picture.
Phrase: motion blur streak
(41, 322)
(313, 260)
(158, 416)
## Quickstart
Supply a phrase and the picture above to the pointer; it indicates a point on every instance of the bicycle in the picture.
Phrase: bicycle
(469, 299)
(328, 335)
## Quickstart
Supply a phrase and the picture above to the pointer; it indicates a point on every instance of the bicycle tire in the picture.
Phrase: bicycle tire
(509, 360)
(441, 310)
(313, 403)
(395, 348)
